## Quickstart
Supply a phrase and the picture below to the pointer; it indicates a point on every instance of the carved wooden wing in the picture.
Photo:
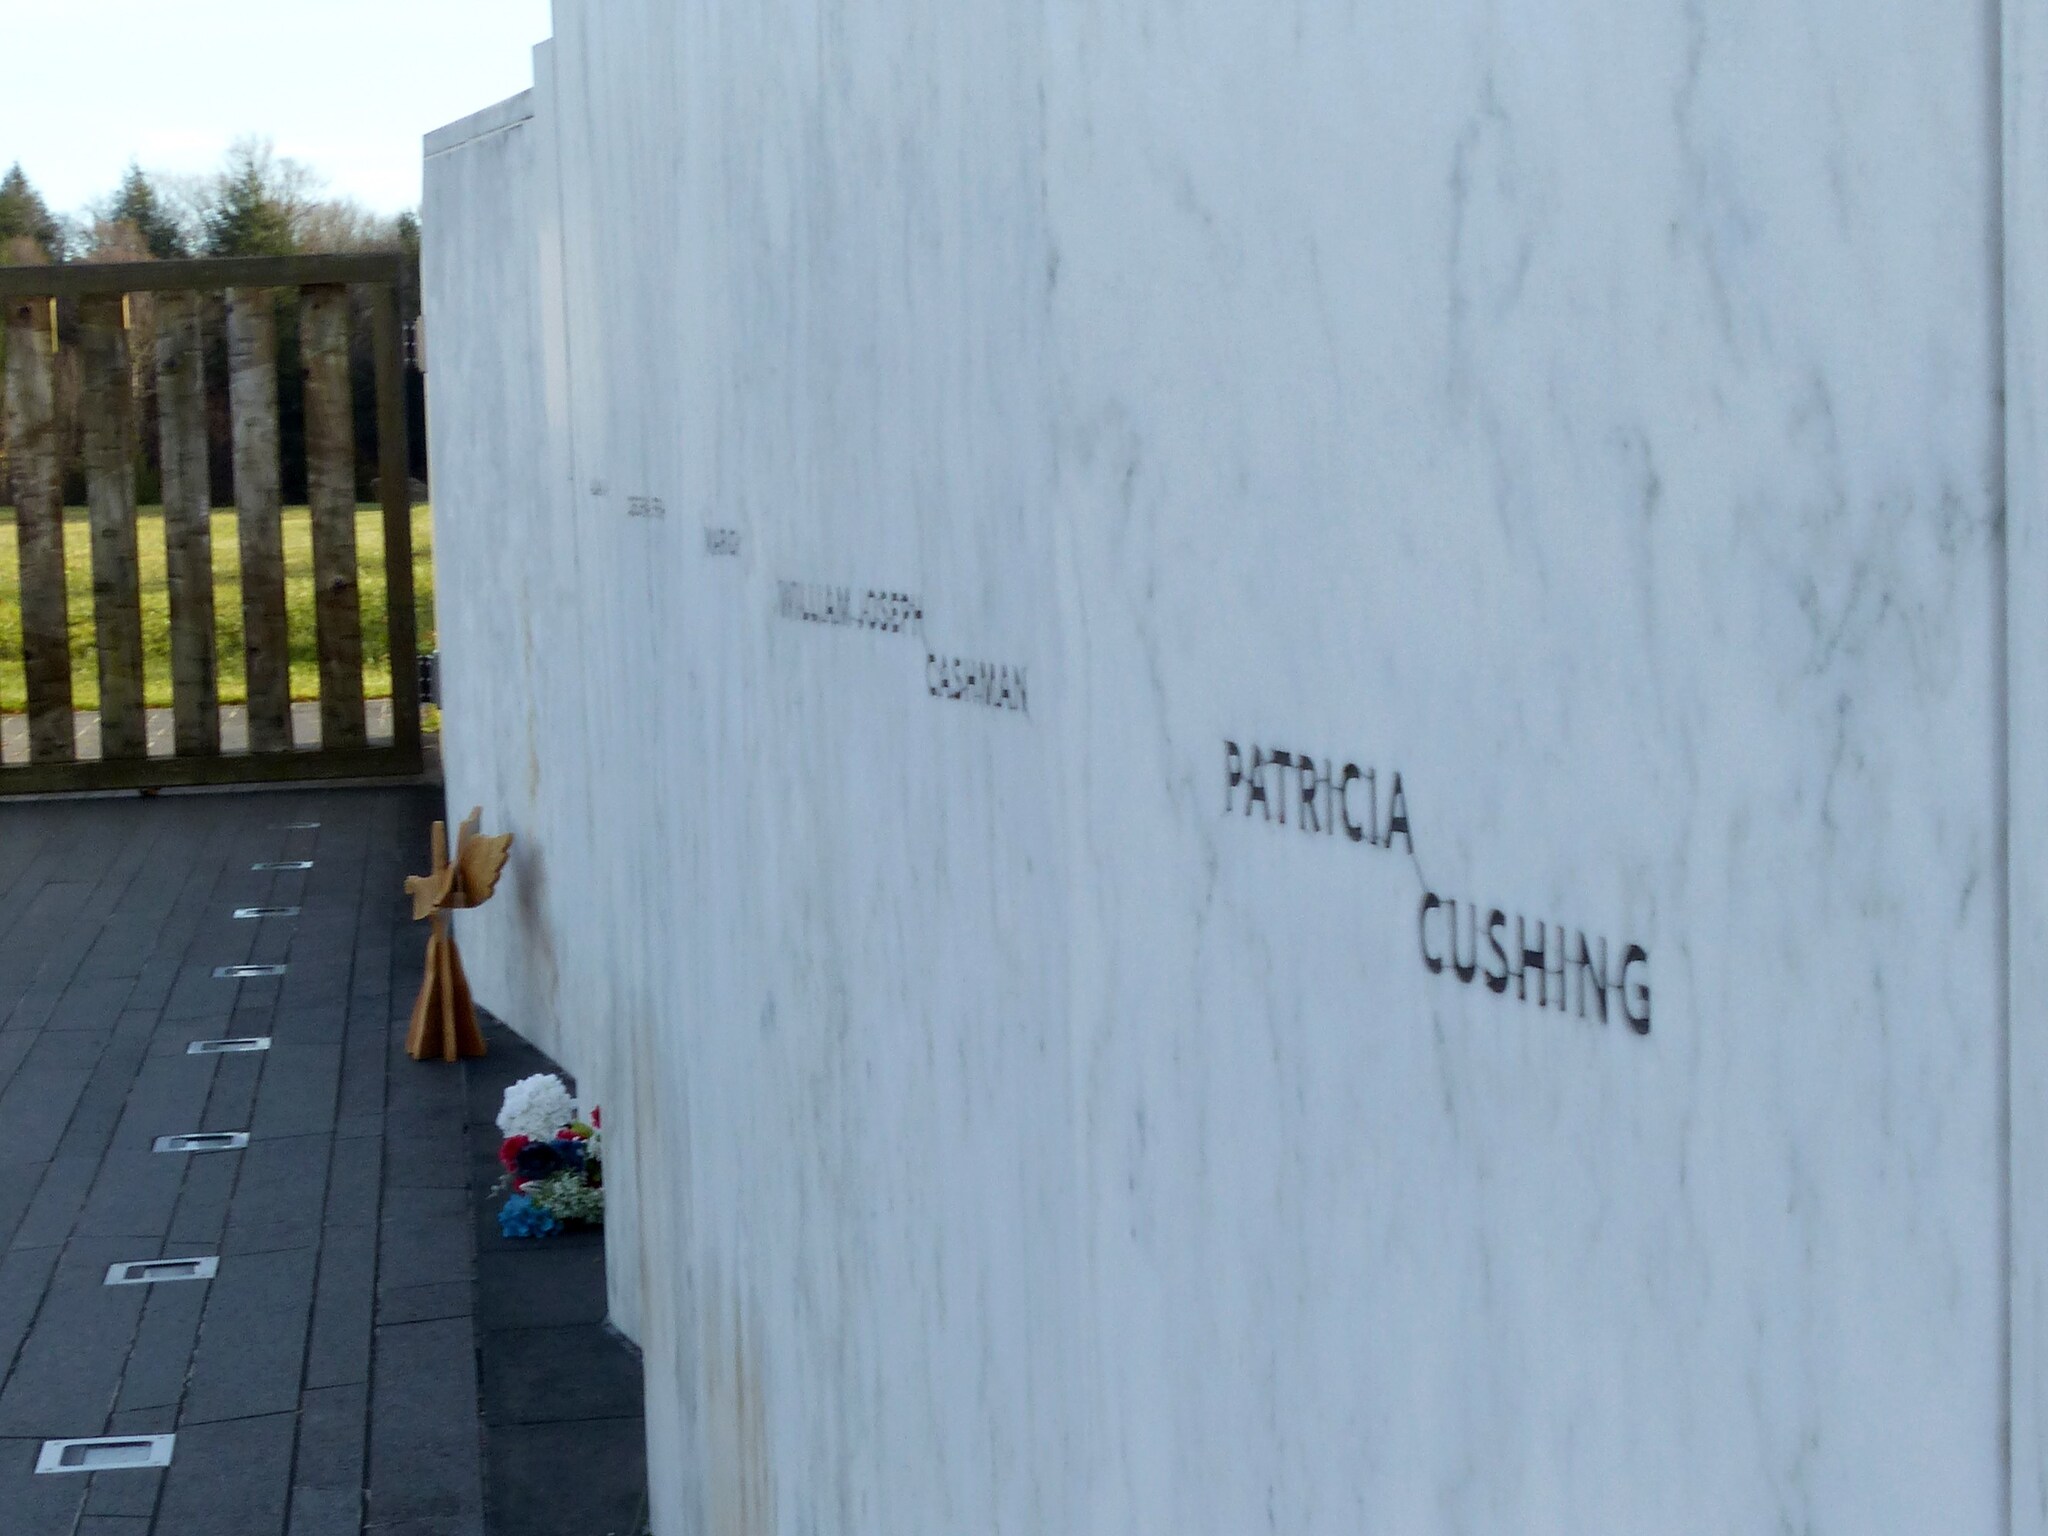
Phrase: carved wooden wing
(481, 860)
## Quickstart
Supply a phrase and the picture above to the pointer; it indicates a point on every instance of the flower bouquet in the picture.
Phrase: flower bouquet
(553, 1159)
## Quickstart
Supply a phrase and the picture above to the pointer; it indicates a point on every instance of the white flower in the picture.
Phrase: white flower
(536, 1106)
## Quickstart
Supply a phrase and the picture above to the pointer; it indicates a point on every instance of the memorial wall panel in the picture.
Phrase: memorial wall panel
(1260, 752)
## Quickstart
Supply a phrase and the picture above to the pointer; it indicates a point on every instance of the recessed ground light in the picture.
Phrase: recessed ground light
(156, 1271)
(113, 1453)
(296, 826)
(205, 1141)
(286, 864)
(228, 1047)
(246, 972)
(242, 913)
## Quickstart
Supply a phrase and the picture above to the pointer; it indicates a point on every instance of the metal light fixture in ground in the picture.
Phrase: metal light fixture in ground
(203, 1141)
(110, 1453)
(158, 1271)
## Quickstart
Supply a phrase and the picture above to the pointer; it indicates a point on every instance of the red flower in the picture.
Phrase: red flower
(508, 1154)
(597, 1117)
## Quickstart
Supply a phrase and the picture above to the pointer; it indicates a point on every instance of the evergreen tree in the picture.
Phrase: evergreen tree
(25, 216)
(138, 204)
(254, 208)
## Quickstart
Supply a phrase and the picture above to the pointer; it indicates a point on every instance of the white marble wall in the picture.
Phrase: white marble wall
(1592, 414)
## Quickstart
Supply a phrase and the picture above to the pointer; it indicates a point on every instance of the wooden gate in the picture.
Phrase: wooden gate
(61, 741)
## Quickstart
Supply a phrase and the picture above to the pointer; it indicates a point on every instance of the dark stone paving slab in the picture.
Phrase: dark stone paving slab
(423, 1434)
(161, 1359)
(252, 1345)
(229, 1479)
(551, 1285)
(524, 1467)
(558, 1375)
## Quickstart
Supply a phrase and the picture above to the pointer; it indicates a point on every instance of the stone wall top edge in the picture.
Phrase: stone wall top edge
(496, 118)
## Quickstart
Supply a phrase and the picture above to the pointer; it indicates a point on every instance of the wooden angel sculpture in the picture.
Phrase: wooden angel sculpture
(444, 1017)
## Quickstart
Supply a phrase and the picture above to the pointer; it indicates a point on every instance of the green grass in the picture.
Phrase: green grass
(227, 605)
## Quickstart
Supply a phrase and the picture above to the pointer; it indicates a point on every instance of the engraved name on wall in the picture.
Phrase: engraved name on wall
(1513, 956)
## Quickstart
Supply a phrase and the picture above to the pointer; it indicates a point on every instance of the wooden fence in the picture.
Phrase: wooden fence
(107, 402)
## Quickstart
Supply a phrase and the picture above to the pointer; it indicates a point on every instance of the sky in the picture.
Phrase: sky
(347, 87)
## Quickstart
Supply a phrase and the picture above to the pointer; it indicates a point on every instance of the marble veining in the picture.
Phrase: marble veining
(1593, 413)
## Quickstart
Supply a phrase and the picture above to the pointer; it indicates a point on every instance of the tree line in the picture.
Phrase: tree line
(257, 203)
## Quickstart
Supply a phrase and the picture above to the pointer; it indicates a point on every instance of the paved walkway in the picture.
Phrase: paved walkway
(565, 1446)
(324, 1382)
(157, 729)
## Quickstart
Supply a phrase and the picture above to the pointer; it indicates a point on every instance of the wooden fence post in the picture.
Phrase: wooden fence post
(109, 411)
(252, 390)
(331, 489)
(39, 530)
(395, 482)
(188, 528)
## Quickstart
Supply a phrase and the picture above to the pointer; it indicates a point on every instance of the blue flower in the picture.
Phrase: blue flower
(570, 1151)
(520, 1217)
